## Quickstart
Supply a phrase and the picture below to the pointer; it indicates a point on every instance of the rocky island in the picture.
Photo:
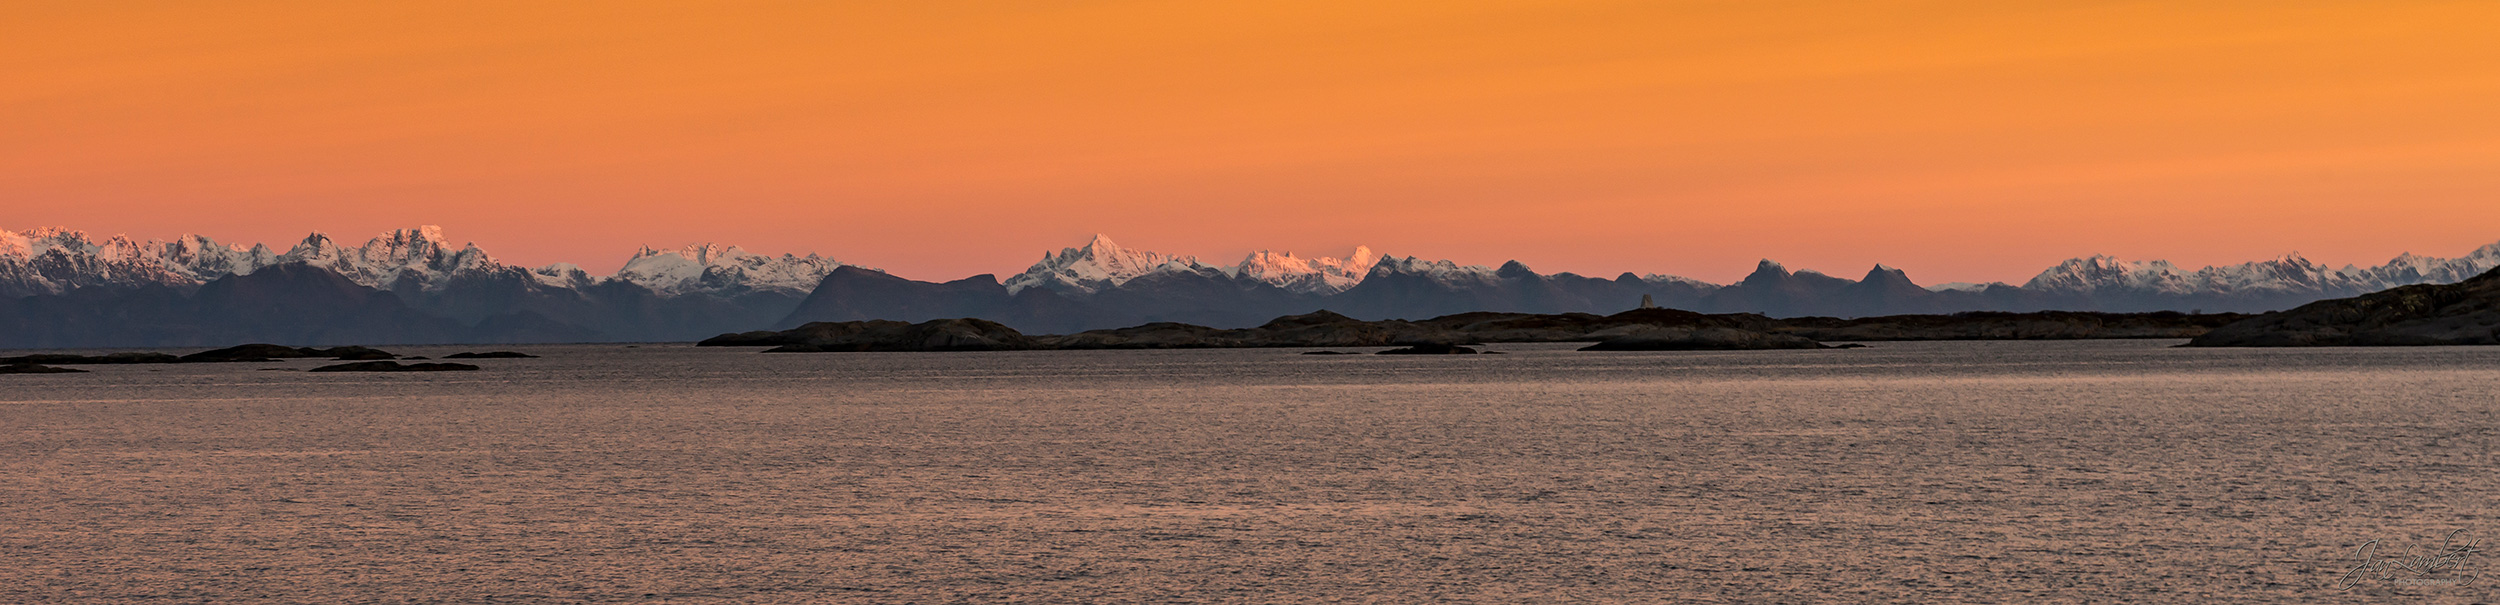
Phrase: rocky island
(238, 353)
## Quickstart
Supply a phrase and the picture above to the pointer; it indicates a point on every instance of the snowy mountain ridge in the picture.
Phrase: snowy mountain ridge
(419, 257)
(1103, 264)
(1318, 275)
(2292, 273)
(1445, 272)
(716, 268)
(53, 260)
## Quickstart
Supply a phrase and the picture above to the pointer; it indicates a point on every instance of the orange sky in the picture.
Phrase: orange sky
(1961, 141)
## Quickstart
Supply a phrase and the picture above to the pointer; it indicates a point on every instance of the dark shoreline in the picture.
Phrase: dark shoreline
(1639, 329)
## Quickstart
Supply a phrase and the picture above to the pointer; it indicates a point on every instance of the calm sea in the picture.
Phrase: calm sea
(1909, 472)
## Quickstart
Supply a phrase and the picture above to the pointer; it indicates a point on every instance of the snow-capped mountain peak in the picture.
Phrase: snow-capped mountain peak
(1321, 275)
(715, 268)
(2084, 275)
(419, 257)
(1101, 264)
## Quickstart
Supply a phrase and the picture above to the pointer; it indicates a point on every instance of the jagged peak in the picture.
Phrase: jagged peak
(1314, 275)
(1881, 271)
(316, 240)
(1767, 269)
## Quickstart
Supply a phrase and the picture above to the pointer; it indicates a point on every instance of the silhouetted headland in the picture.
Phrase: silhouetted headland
(2462, 313)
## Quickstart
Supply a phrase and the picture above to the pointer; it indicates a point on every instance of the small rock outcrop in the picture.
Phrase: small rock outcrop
(29, 368)
(393, 366)
(250, 352)
(2462, 313)
(1431, 348)
(490, 355)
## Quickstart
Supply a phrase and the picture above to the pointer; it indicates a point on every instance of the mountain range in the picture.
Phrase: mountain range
(62, 288)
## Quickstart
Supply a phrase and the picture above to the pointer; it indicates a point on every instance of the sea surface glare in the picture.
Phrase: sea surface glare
(1983, 472)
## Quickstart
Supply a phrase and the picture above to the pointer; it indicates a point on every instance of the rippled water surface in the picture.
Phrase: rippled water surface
(1912, 472)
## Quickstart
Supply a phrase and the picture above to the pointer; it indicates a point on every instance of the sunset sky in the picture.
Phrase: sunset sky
(1962, 141)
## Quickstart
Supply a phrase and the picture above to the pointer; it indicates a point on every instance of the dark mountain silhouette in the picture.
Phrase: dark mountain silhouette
(293, 304)
(2463, 313)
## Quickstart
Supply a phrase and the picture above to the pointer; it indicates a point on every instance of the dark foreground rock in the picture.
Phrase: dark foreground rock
(28, 368)
(1431, 349)
(270, 352)
(393, 366)
(108, 359)
(858, 336)
(2462, 313)
(490, 355)
(1703, 339)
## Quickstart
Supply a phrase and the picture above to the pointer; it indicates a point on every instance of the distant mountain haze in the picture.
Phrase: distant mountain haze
(65, 288)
